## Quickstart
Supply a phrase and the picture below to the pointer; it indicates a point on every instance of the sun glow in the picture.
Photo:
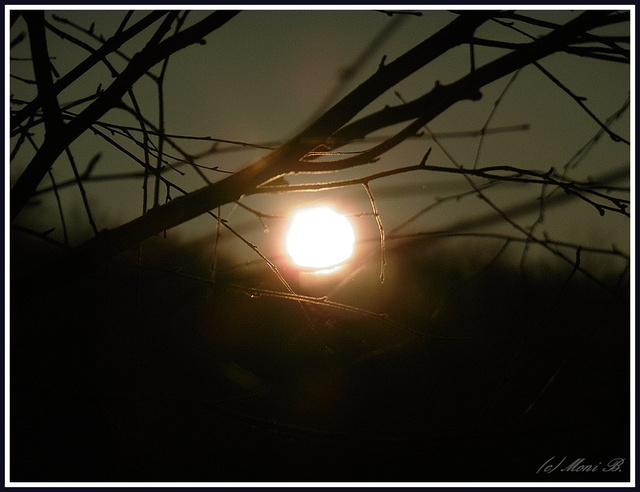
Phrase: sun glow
(319, 237)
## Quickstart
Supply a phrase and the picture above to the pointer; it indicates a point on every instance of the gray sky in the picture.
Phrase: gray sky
(265, 73)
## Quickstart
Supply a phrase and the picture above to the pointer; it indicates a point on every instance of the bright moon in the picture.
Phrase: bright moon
(319, 237)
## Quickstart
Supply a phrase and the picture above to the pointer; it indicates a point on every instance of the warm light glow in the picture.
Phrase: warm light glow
(319, 237)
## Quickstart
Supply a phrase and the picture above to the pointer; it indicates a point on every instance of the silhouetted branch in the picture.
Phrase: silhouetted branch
(391, 13)
(44, 235)
(146, 142)
(580, 100)
(506, 237)
(41, 68)
(95, 57)
(376, 214)
(494, 173)
(140, 64)
(83, 193)
(102, 59)
(65, 234)
(573, 162)
(24, 80)
(152, 129)
(237, 145)
(348, 73)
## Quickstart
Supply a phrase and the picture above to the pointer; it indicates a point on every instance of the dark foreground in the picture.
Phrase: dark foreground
(152, 376)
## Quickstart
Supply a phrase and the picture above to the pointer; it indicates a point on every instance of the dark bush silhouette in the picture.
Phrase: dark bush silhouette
(195, 382)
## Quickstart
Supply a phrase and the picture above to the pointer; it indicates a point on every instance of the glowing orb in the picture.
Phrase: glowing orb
(319, 237)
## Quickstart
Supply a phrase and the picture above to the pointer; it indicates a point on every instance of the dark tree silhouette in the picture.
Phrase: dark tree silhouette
(452, 355)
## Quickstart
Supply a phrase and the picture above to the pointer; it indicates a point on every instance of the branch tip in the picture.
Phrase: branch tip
(423, 162)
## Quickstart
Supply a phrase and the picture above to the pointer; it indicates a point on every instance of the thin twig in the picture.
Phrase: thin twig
(54, 187)
(214, 260)
(83, 193)
(240, 145)
(496, 103)
(580, 101)
(348, 73)
(65, 235)
(493, 173)
(162, 30)
(506, 237)
(145, 166)
(145, 149)
(124, 21)
(573, 162)
(23, 79)
(271, 266)
(162, 137)
(376, 214)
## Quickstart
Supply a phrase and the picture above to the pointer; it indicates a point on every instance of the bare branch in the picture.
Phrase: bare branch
(580, 101)
(84, 66)
(52, 117)
(140, 64)
(83, 193)
(376, 214)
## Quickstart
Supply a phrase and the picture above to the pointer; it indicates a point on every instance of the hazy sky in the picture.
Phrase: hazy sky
(265, 73)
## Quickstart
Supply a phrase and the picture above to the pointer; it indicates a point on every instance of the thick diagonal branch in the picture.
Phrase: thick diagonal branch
(518, 58)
